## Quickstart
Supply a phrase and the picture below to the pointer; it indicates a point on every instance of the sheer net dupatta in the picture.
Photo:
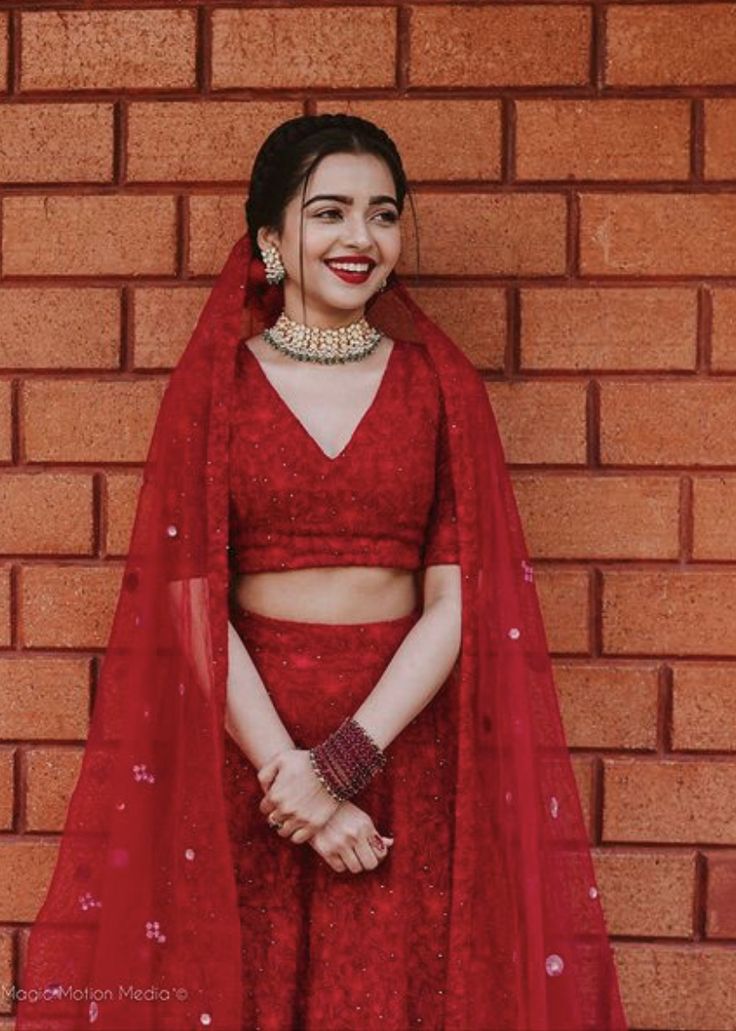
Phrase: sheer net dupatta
(140, 927)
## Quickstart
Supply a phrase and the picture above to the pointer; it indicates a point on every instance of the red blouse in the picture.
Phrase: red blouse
(385, 500)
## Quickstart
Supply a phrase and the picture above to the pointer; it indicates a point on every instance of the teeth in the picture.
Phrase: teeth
(348, 266)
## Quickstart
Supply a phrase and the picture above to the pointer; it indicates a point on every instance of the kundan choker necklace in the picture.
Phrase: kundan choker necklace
(314, 344)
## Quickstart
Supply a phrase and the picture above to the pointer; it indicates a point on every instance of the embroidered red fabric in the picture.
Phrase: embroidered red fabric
(140, 927)
(319, 951)
(385, 500)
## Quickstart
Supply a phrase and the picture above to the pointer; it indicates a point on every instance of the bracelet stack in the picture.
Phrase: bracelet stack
(346, 760)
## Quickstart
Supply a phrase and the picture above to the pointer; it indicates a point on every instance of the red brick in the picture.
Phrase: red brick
(7, 788)
(89, 234)
(165, 318)
(602, 139)
(648, 892)
(564, 603)
(540, 422)
(673, 44)
(720, 150)
(3, 52)
(670, 801)
(608, 706)
(723, 356)
(5, 432)
(584, 770)
(474, 316)
(46, 513)
(117, 426)
(123, 491)
(56, 143)
(714, 529)
(658, 234)
(499, 45)
(703, 713)
(668, 423)
(51, 774)
(304, 47)
(68, 606)
(215, 224)
(421, 128)
(44, 697)
(6, 972)
(677, 987)
(477, 234)
(25, 873)
(180, 140)
(608, 328)
(669, 612)
(59, 327)
(585, 516)
(721, 901)
(138, 48)
(5, 606)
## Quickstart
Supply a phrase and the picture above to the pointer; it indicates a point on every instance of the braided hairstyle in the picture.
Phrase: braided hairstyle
(292, 151)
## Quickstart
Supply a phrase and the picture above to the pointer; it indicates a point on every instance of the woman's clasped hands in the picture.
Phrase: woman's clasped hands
(342, 833)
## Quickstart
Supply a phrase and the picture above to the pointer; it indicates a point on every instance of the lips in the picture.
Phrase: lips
(348, 276)
(369, 262)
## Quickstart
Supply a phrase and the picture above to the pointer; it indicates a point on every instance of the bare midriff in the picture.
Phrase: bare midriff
(333, 594)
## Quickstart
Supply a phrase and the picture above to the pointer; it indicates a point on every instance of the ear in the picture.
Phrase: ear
(266, 237)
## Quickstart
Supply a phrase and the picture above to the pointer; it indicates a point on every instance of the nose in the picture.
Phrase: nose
(356, 231)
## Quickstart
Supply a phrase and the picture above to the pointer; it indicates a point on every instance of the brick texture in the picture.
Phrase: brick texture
(603, 139)
(335, 47)
(82, 50)
(572, 169)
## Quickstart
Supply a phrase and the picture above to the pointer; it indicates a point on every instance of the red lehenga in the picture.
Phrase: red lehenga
(141, 928)
(317, 952)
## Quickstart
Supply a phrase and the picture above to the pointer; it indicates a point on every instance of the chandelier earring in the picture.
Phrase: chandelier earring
(275, 271)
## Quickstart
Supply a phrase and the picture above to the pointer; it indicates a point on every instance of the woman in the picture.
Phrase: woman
(328, 636)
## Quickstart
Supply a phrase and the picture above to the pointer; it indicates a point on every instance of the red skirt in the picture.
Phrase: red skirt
(329, 951)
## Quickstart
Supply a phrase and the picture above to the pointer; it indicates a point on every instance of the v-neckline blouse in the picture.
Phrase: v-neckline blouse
(385, 499)
(359, 427)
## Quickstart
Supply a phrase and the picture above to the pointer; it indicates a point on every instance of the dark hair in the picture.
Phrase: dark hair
(292, 151)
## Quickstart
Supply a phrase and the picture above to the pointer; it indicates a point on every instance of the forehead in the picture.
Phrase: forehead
(357, 175)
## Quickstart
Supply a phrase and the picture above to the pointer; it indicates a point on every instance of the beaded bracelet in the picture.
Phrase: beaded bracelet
(346, 760)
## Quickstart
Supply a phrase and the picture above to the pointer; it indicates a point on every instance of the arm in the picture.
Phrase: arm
(251, 719)
(421, 663)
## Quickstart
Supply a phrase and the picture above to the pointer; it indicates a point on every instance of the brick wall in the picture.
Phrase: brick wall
(574, 168)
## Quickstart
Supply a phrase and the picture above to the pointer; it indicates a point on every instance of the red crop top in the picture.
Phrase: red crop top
(385, 500)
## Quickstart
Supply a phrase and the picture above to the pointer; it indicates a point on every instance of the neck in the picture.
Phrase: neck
(320, 318)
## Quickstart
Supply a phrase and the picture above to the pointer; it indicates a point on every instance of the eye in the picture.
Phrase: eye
(390, 216)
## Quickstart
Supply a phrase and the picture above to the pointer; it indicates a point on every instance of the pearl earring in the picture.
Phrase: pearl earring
(275, 271)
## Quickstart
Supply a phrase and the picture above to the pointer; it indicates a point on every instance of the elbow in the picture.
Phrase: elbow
(443, 593)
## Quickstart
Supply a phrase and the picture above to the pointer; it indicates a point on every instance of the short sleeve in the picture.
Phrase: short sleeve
(441, 537)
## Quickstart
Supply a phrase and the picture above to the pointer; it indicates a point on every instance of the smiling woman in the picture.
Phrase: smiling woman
(321, 246)
(326, 783)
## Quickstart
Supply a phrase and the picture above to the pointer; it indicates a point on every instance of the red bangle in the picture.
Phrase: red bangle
(346, 760)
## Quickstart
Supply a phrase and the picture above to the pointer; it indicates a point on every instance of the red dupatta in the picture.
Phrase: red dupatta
(140, 927)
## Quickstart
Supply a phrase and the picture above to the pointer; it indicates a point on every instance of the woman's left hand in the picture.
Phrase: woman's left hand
(295, 797)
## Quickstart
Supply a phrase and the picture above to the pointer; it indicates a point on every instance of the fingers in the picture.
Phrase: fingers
(368, 855)
(350, 859)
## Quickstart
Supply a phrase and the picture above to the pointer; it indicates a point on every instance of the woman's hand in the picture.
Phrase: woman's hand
(349, 840)
(295, 796)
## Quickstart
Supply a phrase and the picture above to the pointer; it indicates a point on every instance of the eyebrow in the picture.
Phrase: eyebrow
(382, 199)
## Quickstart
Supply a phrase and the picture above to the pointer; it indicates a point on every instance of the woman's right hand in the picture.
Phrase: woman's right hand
(349, 840)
